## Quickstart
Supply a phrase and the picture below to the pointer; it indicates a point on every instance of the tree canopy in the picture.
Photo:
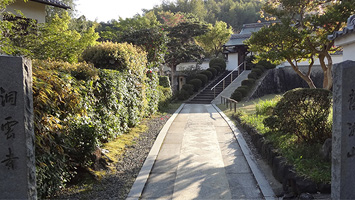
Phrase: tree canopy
(301, 33)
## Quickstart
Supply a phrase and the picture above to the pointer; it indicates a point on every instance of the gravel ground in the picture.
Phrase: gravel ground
(118, 185)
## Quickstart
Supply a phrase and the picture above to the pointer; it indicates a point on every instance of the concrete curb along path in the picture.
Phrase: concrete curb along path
(138, 186)
(264, 185)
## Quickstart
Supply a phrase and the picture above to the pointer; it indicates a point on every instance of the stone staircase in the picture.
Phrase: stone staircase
(207, 95)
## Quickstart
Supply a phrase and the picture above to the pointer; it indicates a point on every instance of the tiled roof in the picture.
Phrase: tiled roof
(55, 3)
(245, 33)
(348, 29)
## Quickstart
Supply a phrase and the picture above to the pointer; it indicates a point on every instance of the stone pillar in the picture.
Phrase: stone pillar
(17, 158)
(343, 150)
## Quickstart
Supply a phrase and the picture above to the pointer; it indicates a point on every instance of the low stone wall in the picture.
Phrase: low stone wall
(281, 170)
(280, 80)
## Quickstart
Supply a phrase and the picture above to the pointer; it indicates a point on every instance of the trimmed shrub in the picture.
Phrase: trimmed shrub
(117, 56)
(248, 82)
(197, 83)
(266, 64)
(218, 62)
(243, 91)
(203, 78)
(189, 88)
(304, 113)
(219, 70)
(208, 74)
(244, 87)
(236, 95)
(213, 71)
(259, 72)
(253, 75)
(165, 95)
(183, 95)
(262, 68)
(164, 81)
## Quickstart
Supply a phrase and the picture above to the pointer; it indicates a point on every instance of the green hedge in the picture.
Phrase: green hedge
(208, 74)
(218, 62)
(303, 113)
(197, 83)
(78, 107)
(237, 95)
(164, 81)
(117, 56)
(189, 88)
(213, 71)
(203, 78)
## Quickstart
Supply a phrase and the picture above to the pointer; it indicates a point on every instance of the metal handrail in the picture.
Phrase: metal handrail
(237, 68)
(226, 101)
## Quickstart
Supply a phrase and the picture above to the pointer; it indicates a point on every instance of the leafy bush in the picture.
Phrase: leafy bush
(262, 68)
(217, 68)
(78, 107)
(259, 72)
(266, 107)
(266, 64)
(304, 113)
(218, 62)
(236, 95)
(248, 82)
(183, 95)
(197, 83)
(203, 78)
(243, 91)
(253, 75)
(208, 74)
(165, 95)
(189, 88)
(164, 81)
(213, 71)
(117, 56)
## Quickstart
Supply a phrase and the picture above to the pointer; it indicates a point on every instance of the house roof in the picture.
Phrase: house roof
(350, 28)
(245, 33)
(55, 3)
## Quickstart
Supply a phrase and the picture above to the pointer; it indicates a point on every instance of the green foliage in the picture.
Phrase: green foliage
(237, 95)
(217, 68)
(266, 107)
(257, 71)
(253, 75)
(122, 57)
(203, 78)
(209, 74)
(215, 38)
(78, 107)
(261, 67)
(303, 113)
(197, 83)
(213, 71)
(266, 64)
(220, 62)
(189, 88)
(248, 82)
(244, 91)
(183, 95)
(164, 81)
(165, 95)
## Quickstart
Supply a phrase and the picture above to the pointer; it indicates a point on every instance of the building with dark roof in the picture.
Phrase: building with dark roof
(35, 9)
(235, 50)
(346, 39)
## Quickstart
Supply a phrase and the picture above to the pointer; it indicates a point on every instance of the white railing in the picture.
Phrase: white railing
(231, 74)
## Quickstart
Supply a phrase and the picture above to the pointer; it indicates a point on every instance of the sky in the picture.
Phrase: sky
(105, 10)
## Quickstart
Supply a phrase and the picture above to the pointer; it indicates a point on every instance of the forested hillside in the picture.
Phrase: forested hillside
(234, 12)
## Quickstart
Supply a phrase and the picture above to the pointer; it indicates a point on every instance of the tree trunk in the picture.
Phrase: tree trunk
(307, 77)
(327, 70)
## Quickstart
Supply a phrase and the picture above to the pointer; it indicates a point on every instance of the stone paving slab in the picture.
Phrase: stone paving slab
(200, 159)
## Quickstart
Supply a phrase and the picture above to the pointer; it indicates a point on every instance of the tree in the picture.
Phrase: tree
(311, 21)
(182, 46)
(213, 40)
(51, 11)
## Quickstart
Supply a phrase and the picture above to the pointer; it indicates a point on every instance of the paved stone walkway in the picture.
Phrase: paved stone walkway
(200, 158)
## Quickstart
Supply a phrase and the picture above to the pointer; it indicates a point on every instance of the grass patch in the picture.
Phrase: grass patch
(305, 158)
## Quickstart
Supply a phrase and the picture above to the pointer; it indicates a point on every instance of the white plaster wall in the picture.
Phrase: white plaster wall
(30, 9)
(349, 52)
(232, 61)
(335, 58)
